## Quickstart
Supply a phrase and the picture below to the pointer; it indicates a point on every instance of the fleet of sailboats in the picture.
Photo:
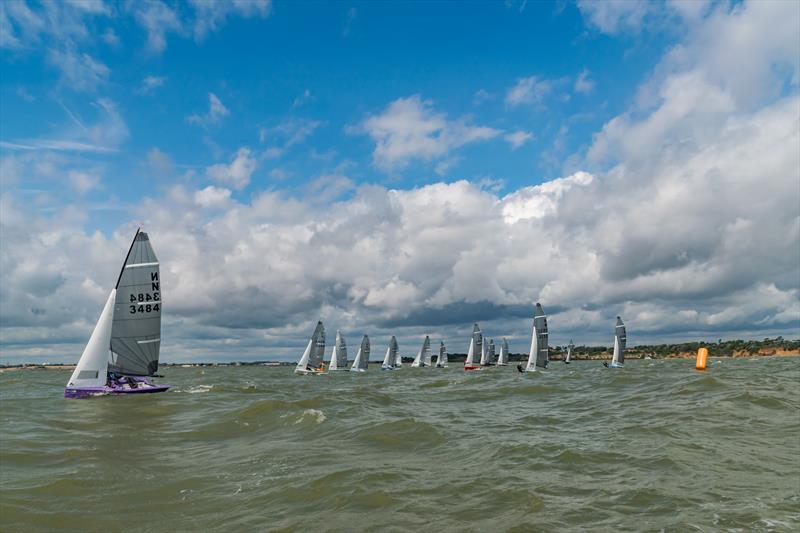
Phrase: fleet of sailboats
(123, 350)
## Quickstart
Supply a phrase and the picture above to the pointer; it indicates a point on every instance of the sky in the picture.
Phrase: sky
(400, 169)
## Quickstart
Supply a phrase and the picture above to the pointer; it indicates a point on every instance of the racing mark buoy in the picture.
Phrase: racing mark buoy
(702, 358)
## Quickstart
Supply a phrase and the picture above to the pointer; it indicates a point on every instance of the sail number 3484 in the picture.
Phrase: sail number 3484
(139, 303)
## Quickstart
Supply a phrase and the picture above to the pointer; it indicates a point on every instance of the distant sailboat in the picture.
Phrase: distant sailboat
(362, 357)
(390, 359)
(423, 357)
(620, 338)
(538, 357)
(311, 360)
(441, 361)
(475, 349)
(339, 354)
(502, 359)
(570, 346)
(488, 354)
(123, 349)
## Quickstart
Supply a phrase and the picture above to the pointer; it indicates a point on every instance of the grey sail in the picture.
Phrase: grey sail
(503, 357)
(570, 346)
(393, 351)
(363, 358)
(492, 353)
(441, 361)
(540, 325)
(477, 336)
(340, 363)
(136, 328)
(620, 339)
(318, 350)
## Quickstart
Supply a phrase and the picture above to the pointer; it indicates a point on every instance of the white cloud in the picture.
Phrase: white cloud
(158, 19)
(83, 182)
(216, 112)
(79, 71)
(530, 90)
(302, 99)
(237, 173)
(583, 84)
(212, 197)
(409, 128)
(150, 83)
(615, 16)
(211, 15)
(160, 161)
(518, 138)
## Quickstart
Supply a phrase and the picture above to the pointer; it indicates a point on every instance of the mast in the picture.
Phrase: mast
(538, 356)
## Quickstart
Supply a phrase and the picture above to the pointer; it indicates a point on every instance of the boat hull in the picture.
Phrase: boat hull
(468, 368)
(142, 386)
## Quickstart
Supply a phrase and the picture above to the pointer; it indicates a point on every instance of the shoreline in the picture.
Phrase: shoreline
(453, 358)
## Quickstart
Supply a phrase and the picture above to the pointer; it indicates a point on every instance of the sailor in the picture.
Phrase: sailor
(605, 364)
(519, 369)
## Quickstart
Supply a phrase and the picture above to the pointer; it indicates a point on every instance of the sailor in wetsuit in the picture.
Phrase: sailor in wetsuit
(519, 369)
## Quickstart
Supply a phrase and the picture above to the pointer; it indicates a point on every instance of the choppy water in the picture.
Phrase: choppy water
(654, 446)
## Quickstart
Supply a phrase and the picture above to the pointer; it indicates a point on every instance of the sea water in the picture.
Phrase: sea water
(654, 446)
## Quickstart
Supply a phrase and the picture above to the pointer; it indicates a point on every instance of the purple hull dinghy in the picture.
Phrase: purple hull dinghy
(122, 353)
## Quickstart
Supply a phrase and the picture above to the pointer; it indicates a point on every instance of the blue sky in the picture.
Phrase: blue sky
(440, 160)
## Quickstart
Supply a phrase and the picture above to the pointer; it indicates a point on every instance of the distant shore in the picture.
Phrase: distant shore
(556, 354)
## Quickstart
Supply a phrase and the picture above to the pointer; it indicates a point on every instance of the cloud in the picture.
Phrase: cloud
(237, 173)
(212, 197)
(151, 83)
(79, 71)
(83, 182)
(583, 84)
(160, 162)
(615, 16)
(157, 19)
(409, 128)
(518, 138)
(286, 134)
(352, 13)
(209, 16)
(216, 112)
(303, 99)
(528, 91)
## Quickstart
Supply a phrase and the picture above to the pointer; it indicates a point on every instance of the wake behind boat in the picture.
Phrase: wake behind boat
(122, 352)
(311, 360)
(539, 355)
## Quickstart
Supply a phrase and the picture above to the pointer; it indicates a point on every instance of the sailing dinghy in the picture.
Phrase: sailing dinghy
(311, 360)
(441, 361)
(620, 338)
(538, 357)
(502, 359)
(570, 346)
(475, 348)
(423, 357)
(122, 352)
(362, 357)
(488, 354)
(339, 354)
(390, 359)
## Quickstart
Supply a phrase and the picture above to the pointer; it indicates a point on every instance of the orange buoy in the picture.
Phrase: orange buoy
(702, 358)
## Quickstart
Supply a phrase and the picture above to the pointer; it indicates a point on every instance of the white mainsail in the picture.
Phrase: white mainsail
(441, 361)
(362, 357)
(136, 328)
(423, 357)
(570, 346)
(339, 353)
(502, 359)
(475, 345)
(390, 359)
(91, 370)
(311, 361)
(620, 339)
(538, 356)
